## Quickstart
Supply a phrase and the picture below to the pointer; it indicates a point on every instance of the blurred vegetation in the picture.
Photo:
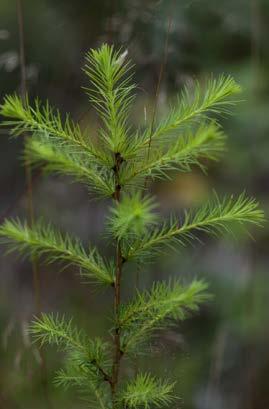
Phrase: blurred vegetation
(222, 361)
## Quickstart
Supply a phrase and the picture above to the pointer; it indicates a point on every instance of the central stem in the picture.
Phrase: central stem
(117, 290)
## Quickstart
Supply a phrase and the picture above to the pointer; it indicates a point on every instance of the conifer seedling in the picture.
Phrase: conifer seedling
(115, 165)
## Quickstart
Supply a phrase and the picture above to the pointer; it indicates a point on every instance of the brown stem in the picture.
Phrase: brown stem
(28, 172)
(106, 377)
(161, 72)
(155, 106)
(159, 82)
(29, 188)
(117, 290)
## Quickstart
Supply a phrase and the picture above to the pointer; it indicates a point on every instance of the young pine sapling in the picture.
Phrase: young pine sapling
(116, 166)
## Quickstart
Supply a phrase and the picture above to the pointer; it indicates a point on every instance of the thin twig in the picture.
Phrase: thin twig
(156, 100)
(106, 376)
(117, 291)
(28, 172)
(19, 196)
(29, 187)
(160, 78)
(161, 72)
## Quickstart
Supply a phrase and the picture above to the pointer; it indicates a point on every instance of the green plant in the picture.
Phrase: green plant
(116, 166)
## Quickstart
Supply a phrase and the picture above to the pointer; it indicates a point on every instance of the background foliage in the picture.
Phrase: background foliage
(222, 360)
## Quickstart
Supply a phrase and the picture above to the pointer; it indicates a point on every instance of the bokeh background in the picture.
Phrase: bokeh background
(220, 357)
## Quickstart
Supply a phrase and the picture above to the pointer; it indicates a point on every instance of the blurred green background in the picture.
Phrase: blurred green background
(220, 357)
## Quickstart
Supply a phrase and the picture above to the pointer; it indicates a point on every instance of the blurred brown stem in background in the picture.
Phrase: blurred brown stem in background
(28, 172)
(162, 69)
(29, 188)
